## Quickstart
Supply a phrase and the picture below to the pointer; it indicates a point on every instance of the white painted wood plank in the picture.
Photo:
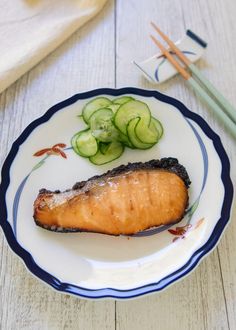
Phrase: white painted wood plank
(218, 24)
(198, 302)
(85, 61)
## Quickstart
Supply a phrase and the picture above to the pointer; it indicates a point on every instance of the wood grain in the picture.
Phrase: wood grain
(98, 55)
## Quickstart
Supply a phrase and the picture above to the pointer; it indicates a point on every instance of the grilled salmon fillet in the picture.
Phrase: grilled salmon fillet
(125, 200)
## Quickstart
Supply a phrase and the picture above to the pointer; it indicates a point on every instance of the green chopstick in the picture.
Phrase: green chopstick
(211, 102)
(205, 89)
(223, 102)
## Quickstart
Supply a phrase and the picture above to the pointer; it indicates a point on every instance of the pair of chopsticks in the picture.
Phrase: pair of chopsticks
(202, 86)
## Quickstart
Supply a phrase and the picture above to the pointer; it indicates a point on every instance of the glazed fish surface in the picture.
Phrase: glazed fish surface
(125, 200)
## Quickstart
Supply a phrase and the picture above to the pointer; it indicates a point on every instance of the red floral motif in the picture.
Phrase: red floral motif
(181, 231)
(54, 150)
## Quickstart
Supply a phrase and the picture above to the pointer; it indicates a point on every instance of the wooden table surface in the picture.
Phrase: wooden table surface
(97, 55)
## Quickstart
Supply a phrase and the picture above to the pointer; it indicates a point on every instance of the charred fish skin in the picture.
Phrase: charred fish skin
(167, 165)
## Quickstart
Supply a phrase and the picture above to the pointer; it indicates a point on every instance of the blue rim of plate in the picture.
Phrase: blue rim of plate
(111, 292)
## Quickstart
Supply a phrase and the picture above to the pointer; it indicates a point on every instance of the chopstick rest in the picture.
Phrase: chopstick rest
(157, 69)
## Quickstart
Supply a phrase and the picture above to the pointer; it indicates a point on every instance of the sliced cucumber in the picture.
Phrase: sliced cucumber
(84, 143)
(114, 107)
(99, 117)
(145, 133)
(114, 125)
(132, 135)
(102, 127)
(114, 151)
(92, 106)
(74, 144)
(158, 126)
(125, 140)
(130, 110)
(103, 147)
(122, 99)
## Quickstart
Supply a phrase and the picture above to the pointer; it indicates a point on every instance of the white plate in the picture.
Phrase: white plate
(95, 265)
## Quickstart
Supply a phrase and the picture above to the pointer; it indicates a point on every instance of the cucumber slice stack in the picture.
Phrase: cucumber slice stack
(114, 124)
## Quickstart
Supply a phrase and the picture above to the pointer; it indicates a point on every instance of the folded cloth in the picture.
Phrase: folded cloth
(31, 29)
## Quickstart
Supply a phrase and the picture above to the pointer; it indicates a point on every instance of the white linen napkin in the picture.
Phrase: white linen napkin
(31, 29)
